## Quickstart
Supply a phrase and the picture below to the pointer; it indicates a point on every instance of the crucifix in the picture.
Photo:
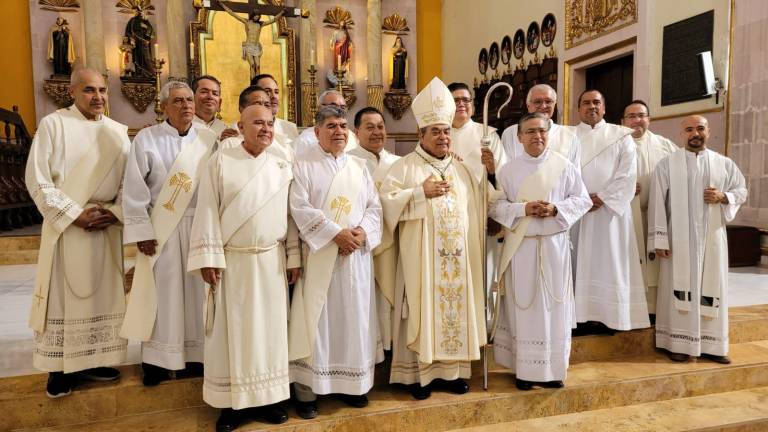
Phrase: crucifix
(252, 49)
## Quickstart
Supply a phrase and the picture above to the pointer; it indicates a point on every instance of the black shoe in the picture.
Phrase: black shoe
(457, 386)
(99, 374)
(677, 357)
(59, 385)
(420, 392)
(228, 421)
(355, 401)
(192, 370)
(306, 410)
(274, 413)
(523, 384)
(717, 358)
(153, 375)
(652, 318)
(553, 384)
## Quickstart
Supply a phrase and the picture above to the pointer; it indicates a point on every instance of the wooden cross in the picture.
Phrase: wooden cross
(255, 7)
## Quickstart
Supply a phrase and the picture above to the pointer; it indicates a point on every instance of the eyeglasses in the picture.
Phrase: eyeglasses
(638, 116)
(539, 102)
(462, 100)
(535, 131)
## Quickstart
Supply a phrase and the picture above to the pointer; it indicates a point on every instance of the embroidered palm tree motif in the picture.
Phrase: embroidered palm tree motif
(341, 205)
(181, 181)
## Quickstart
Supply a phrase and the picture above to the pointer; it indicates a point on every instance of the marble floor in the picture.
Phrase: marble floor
(748, 286)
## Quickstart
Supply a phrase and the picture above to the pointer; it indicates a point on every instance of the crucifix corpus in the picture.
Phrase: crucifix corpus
(252, 47)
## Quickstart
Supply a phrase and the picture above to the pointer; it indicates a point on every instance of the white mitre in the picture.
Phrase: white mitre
(434, 105)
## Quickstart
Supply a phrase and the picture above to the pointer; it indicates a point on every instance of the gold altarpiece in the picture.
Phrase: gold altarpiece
(217, 50)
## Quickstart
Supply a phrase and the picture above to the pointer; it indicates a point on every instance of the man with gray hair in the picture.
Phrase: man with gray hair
(159, 198)
(543, 197)
(73, 174)
(308, 139)
(542, 98)
(333, 331)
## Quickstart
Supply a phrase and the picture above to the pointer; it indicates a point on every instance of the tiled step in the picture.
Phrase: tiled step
(591, 385)
(24, 250)
(744, 410)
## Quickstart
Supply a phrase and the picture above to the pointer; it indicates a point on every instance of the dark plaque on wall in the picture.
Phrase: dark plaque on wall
(682, 79)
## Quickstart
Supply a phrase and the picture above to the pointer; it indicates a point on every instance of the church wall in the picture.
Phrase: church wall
(17, 62)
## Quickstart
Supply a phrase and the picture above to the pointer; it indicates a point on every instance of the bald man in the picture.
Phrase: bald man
(694, 193)
(79, 302)
(242, 241)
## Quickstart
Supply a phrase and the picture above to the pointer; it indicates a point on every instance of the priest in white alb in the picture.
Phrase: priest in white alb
(246, 247)
(308, 140)
(694, 193)
(159, 196)
(543, 197)
(73, 174)
(207, 91)
(651, 149)
(434, 202)
(610, 294)
(371, 132)
(333, 331)
(283, 128)
(542, 99)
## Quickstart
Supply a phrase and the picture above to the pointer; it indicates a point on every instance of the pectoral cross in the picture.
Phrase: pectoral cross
(181, 181)
(340, 204)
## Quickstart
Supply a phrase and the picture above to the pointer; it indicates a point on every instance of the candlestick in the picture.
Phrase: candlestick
(312, 92)
(158, 68)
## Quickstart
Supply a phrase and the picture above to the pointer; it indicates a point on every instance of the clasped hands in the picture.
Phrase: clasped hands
(349, 240)
(95, 219)
(539, 209)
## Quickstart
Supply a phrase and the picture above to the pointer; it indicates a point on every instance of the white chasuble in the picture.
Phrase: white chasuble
(536, 310)
(609, 283)
(159, 197)
(79, 300)
(333, 335)
(439, 321)
(560, 138)
(385, 255)
(651, 149)
(242, 226)
(692, 302)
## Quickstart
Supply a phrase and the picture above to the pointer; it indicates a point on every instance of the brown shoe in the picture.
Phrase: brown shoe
(677, 357)
(717, 358)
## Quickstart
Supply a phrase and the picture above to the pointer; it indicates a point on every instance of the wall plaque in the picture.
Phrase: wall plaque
(681, 73)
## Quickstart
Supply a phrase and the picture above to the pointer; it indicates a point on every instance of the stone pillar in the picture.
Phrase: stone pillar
(94, 36)
(308, 56)
(375, 87)
(177, 43)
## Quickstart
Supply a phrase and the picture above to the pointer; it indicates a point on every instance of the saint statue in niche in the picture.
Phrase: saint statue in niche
(252, 49)
(341, 44)
(142, 35)
(61, 49)
(399, 71)
(127, 67)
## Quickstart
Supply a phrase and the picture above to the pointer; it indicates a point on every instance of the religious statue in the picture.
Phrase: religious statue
(399, 71)
(127, 67)
(61, 49)
(252, 47)
(142, 35)
(341, 44)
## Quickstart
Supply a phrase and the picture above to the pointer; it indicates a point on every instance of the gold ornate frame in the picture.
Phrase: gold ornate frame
(200, 26)
(593, 25)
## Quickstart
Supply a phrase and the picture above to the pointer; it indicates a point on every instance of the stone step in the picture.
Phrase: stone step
(743, 410)
(591, 385)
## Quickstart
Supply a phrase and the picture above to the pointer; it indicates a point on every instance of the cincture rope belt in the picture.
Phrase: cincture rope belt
(541, 280)
(253, 250)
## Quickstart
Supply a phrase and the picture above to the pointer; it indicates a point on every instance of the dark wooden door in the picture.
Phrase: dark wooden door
(614, 80)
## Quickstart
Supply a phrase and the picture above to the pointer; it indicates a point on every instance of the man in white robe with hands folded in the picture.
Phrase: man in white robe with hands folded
(543, 197)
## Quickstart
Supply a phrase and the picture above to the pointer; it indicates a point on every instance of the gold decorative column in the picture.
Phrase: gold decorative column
(375, 85)
(93, 30)
(308, 56)
(177, 45)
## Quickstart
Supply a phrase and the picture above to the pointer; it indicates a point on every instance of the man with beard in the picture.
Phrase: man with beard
(694, 192)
